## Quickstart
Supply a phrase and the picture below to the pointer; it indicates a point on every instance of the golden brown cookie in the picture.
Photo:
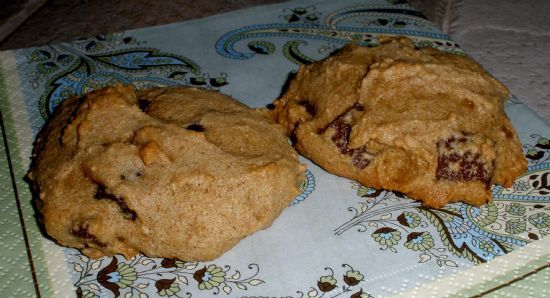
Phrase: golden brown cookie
(419, 121)
(174, 172)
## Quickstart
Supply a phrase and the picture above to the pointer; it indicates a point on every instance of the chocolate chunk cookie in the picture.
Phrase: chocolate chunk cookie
(174, 172)
(426, 123)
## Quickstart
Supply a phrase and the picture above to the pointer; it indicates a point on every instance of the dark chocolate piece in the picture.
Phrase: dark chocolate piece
(456, 165)
(83, 232)
(310, 108)
(359, 156)
(143, 104)
(195, 127)
(101, 193)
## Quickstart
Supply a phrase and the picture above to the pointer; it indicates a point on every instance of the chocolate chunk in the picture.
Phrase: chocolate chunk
(101, 193)
(195, 127)
(83, 232)
(461, 165)
(358, 107)
(465, 167)
(143, 104)
(451, 142)
(359, 156)
(341, 136)
(270, 106)
(310, 108)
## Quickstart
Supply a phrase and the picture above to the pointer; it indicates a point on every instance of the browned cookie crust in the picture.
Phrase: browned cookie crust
(174, 172)
(419, 121)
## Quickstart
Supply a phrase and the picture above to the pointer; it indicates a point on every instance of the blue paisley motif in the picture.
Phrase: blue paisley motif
(225, 46)
(89, 64)
(517, 215)
(140, 59)
(331, 30)
(306, 188)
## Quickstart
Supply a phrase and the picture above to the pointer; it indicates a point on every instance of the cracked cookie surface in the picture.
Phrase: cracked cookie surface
(171, 172)
(419, 121)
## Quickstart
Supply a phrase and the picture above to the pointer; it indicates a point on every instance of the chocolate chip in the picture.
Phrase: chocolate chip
(195, 127)
(310, 108)
(101, 193)
(451, 142)
(358, 107)
(465, 167)
(360, 157)
(341, 135)
(270, 106)
(83, 232)
(143, 104)
(456, 165)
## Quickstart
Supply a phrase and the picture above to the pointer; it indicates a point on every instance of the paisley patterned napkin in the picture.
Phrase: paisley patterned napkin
(337, 238)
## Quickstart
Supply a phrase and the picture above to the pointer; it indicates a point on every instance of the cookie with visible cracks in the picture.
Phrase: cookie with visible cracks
(170, 172)
(419, 121)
